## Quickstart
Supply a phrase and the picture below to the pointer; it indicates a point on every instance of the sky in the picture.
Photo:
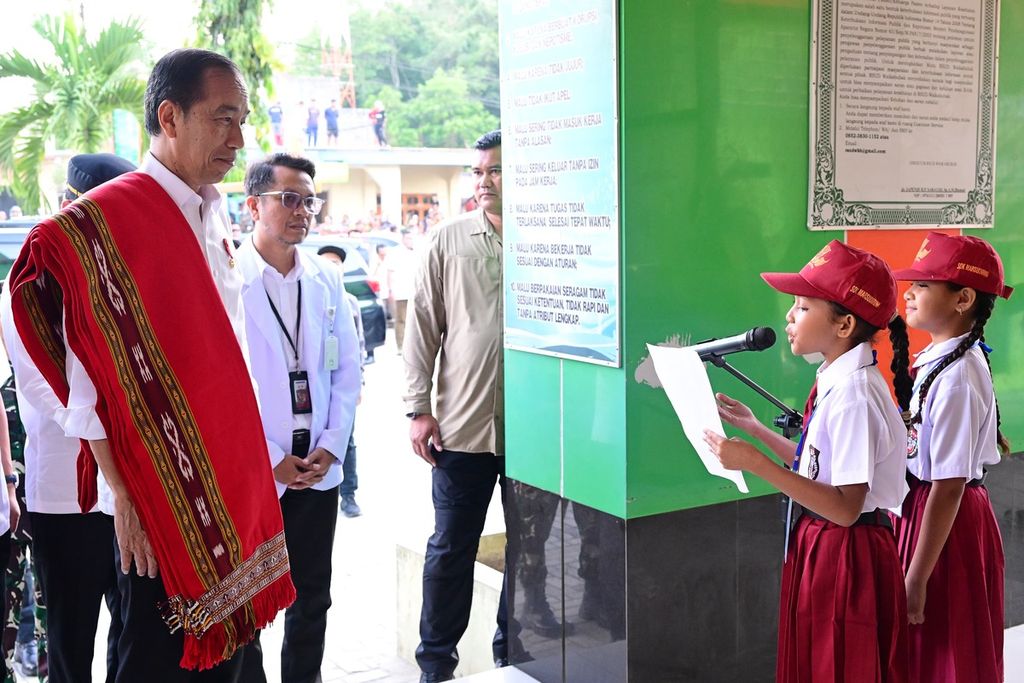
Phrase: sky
(166, 26)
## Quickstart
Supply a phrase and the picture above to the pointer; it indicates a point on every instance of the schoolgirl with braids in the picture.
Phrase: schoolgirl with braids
(842, 615)
(949, 541)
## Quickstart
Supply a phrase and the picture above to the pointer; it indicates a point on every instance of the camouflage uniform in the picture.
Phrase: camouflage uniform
(536, 510)
(18, 564)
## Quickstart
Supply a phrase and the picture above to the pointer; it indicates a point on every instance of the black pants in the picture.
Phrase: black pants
(147, 651)
(310, 518)
(462, 487)
(75, 565)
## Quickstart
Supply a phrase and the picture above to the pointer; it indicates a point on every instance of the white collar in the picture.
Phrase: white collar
(264, 268)
(180, 192)
(831, 374)
(933, 352)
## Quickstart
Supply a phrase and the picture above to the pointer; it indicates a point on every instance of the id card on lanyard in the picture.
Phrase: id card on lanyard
(331, 350)
(298, 380)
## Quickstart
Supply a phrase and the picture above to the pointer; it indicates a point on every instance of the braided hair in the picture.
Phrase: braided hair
(983, 306)
(864, 331)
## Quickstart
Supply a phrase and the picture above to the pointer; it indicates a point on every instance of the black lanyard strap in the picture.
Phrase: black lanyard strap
(298, 321)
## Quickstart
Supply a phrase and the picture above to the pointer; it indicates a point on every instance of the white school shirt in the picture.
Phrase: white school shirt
(957, 434)
(51, 476)
(206, 213)
(856, 434)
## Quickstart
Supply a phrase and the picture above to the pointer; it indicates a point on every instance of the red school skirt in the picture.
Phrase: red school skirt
(843, 612)
(961, 639)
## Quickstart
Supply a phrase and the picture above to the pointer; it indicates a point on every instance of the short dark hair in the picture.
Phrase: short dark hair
(260, 175)
(488, 140)
(178, 76)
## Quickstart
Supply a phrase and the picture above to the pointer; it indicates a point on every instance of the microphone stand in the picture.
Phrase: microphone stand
(790, 422)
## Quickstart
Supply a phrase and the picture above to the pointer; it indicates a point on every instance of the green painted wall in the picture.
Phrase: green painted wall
(1006, 331)
(714, 154)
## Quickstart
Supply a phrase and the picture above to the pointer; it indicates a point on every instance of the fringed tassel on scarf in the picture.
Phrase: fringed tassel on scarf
(206, 641)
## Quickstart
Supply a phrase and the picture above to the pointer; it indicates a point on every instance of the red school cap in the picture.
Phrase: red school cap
(960, 259)
(855, 279)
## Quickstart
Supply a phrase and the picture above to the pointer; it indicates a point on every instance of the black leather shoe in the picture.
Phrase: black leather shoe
(428, 677)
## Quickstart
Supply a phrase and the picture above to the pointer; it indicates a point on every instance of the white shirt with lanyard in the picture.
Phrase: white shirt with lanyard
(957, 434)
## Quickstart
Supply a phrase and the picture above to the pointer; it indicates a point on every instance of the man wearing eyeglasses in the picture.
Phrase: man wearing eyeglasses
(304, 354)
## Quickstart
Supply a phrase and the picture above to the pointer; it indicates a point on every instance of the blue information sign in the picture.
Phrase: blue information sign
(560, 178)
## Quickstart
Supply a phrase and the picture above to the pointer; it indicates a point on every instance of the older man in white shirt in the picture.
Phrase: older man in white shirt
(304, 354)
(196, 103)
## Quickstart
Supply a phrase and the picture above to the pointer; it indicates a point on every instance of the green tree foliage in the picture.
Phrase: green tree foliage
(434, 64)
(75, 95)
(233, 28)
(309, 56)
(441, 115)
(403, 45)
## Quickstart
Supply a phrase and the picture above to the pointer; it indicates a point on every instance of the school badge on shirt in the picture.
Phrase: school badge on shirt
(912, 442)
(812, 465)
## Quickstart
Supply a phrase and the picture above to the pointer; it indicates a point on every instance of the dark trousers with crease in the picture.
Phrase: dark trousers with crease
(75, 566)
(463, 484)
(147, 652)
(310, 519)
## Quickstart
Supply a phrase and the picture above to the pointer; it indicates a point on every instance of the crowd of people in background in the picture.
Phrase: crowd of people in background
(375, 222)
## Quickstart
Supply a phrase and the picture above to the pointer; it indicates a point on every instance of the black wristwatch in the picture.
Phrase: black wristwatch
(12, 479)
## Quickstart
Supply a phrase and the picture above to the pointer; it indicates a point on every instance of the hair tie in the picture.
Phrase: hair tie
(985, 347)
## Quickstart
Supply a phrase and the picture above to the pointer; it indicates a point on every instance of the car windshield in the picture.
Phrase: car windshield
(356, 252)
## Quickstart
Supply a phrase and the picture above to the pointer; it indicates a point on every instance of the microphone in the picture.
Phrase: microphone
(756, 339)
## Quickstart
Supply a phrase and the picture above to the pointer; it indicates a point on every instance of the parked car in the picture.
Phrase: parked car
(13, 232)
(380, 238)
(358, 283)
(365, 243)
(368, 244)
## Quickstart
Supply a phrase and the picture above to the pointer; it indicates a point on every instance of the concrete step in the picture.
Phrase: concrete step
(508, 674)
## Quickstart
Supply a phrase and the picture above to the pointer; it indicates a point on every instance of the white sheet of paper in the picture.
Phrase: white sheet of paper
(686, 383)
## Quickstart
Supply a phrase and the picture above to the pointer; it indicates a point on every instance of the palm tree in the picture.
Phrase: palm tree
(75, 96)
